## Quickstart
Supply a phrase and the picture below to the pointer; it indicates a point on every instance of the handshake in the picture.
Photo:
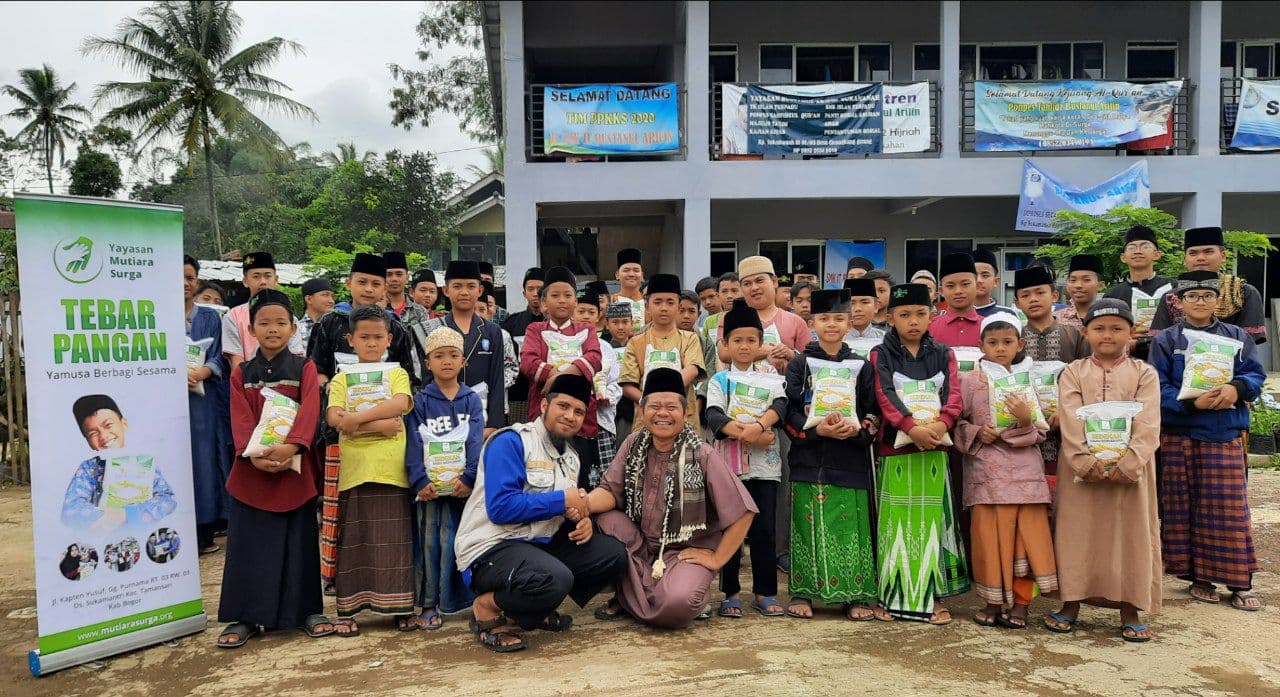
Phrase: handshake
(576, 507)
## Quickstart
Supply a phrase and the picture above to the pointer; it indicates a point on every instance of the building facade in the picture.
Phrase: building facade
(700, 210)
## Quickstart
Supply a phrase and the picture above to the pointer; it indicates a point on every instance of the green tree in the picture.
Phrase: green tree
(52, 116)
(1103, 235)
(94, 173)
(347, 152)
(195, 83)
(9, 147)
(111, 139)
(459, 85)
(494, 157)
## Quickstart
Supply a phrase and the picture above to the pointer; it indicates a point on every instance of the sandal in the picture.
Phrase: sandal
(1129, 632)
(849, 612)
(1240, 601)
(211, 549)
(556, 622)
(1011, 621)
(882, 614)
(432, 620)
(799, 602)
(982, 619)
(731, 608)
(407, 623)
(610, 611)
(1207, 592)
(309, 626)
(1059, 623)
(353, 629)
(329, 590)
(705, 614)
(242, 631)
(762, 606)
(940, 617)
(492, 640)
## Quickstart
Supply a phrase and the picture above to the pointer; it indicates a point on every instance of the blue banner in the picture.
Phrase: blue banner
(838, 254)
(1258, 116)
(826, 119)
(1043, 195)
(1070, 114)
(611, 120)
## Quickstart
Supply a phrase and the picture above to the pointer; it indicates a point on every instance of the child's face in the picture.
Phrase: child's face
(586, 312)
(1108, 336)
(619, 328)
(1083, 287)
(259, 279)
(532, 295)
(463, 293)
(688, 315)
(559, 300)
(1207, 257)
(319, 302)
(1140, 254)
(190, 281)
(366, 289)
(800, 302)
(912, 321)
(1199, 304)
(710, 300)
(729, 291)
(396, 280)
(862, 309)
(1035, 302)
(743, 345)
(986, 279)
(445, 363)
(104, 429)
(209, 296)
(630, 276)
(425, 294)
(272, 327)
(370, 340)
(960, 290)
(882, 294)
(831, 326)
(484, 309)
(1001, 345)
(663, 309)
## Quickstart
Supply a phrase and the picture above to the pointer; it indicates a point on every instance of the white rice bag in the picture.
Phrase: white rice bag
(197, 351)
(660, 358)
(563, 349)
(862, 345)
(368, 384)
(1003, 384)
(482, 389)
(1210, 361)
(1107, 427)
(834, 390)
(127, 480)
(922, 401)
(1044, 377)
(444, 456)
(278, 413)
(751, 394)
(967, 358)
(1145, 306)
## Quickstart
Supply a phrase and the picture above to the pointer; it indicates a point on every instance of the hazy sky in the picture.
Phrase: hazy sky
(343, 74)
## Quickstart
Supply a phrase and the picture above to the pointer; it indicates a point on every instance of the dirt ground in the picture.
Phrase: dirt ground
(1200, 650)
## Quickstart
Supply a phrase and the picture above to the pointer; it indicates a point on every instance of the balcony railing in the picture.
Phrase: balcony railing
(1230, 87)
(717, 121)
(534, 123)
(1181, 124)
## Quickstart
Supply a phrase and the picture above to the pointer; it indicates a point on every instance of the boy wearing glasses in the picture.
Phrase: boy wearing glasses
(1141, 252)
(1238, 302)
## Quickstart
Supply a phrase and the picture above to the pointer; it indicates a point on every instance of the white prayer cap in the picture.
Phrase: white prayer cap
(1002, 317)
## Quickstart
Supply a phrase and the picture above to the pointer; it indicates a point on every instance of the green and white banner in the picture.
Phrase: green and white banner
(111, 491)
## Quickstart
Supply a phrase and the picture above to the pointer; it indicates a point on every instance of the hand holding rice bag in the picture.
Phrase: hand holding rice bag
(278, 413)
(563, 349)
(1145, 306)
(834, 386)
(368, 384)
(444, 456)
(1210, 361)
(1107, 427)
(751, 394)
(967, 358)
(922, 401)
(1044, 378)
(1003, 384)
(862, 346)
(197, 352)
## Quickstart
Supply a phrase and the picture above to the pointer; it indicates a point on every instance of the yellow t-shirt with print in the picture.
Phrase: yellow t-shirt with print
(371, 458)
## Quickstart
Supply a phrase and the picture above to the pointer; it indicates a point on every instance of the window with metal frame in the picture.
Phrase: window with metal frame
(1151, 60)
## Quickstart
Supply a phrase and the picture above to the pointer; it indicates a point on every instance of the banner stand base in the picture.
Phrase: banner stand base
(43, 665)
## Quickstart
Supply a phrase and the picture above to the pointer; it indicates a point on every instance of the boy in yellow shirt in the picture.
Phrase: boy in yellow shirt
(375, 535)
(663, 344)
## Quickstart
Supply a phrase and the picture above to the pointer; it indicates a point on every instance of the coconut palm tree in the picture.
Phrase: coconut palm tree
(52, 114)
(347, 152)
(493, 161)
(195, 83)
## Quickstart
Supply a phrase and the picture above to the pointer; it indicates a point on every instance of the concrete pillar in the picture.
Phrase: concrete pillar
(520, 217)
(952, 92)
(696, 245)
(697, 80)
(1204, 53)
(1203, 209)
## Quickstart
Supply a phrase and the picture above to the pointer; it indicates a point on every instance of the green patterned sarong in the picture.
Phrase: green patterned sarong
(833, 556)
(921, 551)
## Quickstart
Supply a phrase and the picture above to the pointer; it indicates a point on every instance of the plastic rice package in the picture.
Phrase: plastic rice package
(127, 480)
(1145, 306)
(967, 358)
(1210, 361)
(922, 401)
(862, 345)
(368, 384)
(563, 349)
(1107, 427)
(1044, 377)
(444, 456)
(1003, 384)
(278, 413)
(751, 394)
(834, 389)
(196, 357)
(660, 358)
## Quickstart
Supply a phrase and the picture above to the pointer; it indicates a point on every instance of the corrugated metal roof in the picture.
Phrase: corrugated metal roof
(211, 270)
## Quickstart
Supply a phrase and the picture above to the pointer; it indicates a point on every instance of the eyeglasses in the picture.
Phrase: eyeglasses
(1200, 298)
(1140, 247)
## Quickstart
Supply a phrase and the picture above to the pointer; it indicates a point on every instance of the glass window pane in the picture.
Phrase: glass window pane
(1087, 61)
(1008, 62)
(1055, 61)
(873, 62)
(724, 258)
(724, 68)
(1257, 60)
(824, 64)
(1153, 63)
(776, 251)
(968, 53)
(808, 256)
(952, 246)
(775, 57)
(922, 254)
(1228, 54)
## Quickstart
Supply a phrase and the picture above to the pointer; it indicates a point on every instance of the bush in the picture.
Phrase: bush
(1264, 420)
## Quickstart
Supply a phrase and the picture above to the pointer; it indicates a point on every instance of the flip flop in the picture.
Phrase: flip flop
(1191, 589)
(1135, 628)
(605, 614)
(242, 631)
(802, 603)
(1008, 621)
(762, 604)
(211, 549)
(982, 619)
(1060, 619)
(1238, 599)
(940, 622)
(349, 624)
(428, 617)
(405, 623)
(309, 626)
(728, 606)
(852, 606)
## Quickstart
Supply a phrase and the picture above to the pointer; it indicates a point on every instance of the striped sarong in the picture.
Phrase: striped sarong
(1010, 542)
(375, 550)
(1206, 531)
(833, 556)
(921, 552)
(329, 515)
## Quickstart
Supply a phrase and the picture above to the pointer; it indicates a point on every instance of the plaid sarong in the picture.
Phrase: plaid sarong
(607, 446)
(517, 412)
(329, 515)
(375, 551)
(1206, 532)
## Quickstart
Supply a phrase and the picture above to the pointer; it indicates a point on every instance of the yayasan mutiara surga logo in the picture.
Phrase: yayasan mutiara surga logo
(77, 260)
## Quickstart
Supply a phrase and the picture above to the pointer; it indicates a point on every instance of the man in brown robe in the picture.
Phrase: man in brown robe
(676, 507)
